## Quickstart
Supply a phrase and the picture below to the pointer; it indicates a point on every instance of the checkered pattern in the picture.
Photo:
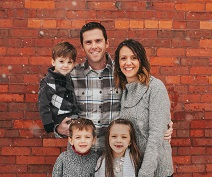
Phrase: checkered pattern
(56, 99)
(97, 97)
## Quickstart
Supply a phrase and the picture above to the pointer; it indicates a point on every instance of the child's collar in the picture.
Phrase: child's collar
(79, 153)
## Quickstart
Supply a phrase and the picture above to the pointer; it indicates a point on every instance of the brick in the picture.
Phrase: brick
(194, 80)
(206, 43)
(101, 5)
(209, 7)
(163, 5)
(197, 133)
(26, 124)
(191, 150)
(40, 61)
(20, 23)
(201, 159)
(206, 98)
(77, 23)
(189, 98)
(31, 98)
(194, 61)
(200, 89)
(172, 79)
(30, 159)
(7, 160)
(182, 160)
(23, 33)
(170, 52)
(39, 4)
(5, 23)
(205, 25)
(31, 79)
(11, 115)
(201, 70)
(2, 50)
(11, 133)
(27, 142)
(191, 168)
(202, 142)
(183, 133)
(45, 151)
(3, 107)
(13, 60)
(190, 6)
(202, 174)
(181, 142)
(55, 142)
(165, 24)
(31, 175)
(198, 16)
(170, 71)
(11, 97)
(201, 124)
(133, 6)
(15, 169)
(199, 106)
(34, 23)
(112, 14)
(16, 151)
(40, 168)
(21, 51)
(3, 88)
(151, 24)
(179, 25)
(136, 24)
(122, 24)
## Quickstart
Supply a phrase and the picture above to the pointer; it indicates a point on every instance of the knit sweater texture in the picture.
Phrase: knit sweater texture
(70, 164)
(148, 107)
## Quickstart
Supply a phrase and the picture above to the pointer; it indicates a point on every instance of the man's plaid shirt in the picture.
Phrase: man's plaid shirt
(97, 97)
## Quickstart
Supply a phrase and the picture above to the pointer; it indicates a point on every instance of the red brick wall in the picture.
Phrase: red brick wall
(177, 36)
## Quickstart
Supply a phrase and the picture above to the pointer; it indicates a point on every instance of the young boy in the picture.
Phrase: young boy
(79, 160)
(56, 98)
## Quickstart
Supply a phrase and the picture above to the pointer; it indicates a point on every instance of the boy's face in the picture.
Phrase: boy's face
(94, 46)
(82, 139)
(63, 65)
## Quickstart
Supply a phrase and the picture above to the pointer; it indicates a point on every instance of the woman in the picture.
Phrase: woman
(145, 102)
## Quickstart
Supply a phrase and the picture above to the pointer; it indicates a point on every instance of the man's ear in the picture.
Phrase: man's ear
(70, 141)
(107, 43)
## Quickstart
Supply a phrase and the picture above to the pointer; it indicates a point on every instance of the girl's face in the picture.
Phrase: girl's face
(119, 139)
(129, 64)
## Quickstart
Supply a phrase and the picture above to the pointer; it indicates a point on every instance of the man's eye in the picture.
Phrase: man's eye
(88, 42)
(98, 40)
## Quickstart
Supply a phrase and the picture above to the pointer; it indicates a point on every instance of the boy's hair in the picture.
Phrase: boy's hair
(90, 26)
(65, 50)
(81, 124)
(144, 68)
(136, 155)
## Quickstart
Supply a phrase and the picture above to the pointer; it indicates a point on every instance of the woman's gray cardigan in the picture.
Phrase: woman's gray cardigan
(148, 107)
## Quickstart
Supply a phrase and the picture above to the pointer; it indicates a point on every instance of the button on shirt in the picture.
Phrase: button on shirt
(97, 98)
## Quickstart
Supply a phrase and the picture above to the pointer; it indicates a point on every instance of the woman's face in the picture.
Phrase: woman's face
(129, 64)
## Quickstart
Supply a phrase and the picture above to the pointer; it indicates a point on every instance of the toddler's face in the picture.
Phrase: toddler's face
(82, 139)
(119, 139)
(63, 65)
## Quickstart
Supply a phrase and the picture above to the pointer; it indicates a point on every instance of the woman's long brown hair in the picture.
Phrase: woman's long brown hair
(144, 69)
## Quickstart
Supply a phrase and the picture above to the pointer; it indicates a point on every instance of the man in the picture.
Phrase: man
(94, 85)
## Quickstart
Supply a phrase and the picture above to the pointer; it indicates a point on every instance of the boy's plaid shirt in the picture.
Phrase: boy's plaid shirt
(97, 97)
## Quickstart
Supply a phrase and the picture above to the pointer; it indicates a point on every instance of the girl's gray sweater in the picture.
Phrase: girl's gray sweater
(148, 107)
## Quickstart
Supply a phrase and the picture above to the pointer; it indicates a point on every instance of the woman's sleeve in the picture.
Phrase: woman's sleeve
(159, 117)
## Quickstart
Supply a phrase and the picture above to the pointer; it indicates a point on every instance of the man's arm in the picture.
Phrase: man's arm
(62, 130)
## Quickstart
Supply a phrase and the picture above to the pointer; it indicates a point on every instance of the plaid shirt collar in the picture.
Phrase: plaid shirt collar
(88, 69)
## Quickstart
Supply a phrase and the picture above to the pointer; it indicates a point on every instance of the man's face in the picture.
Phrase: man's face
(95, 46)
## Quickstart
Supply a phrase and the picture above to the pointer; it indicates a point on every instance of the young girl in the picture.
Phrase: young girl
(79, 160)
(122, 157)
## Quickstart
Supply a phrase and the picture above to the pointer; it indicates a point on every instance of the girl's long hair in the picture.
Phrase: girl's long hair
(135, 153)
(144, 69)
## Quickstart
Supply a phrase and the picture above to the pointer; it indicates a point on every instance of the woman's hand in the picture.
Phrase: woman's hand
(168, 134)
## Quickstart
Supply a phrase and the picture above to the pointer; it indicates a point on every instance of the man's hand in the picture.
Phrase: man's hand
(168, 134)
(63, 127)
